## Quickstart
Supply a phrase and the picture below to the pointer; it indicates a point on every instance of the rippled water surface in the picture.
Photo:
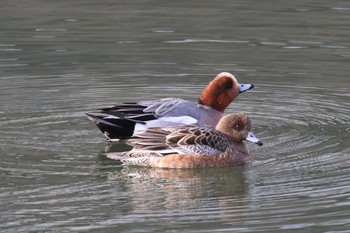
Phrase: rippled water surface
(59, 59)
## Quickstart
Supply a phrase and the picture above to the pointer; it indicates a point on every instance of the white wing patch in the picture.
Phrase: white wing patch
(164, 122)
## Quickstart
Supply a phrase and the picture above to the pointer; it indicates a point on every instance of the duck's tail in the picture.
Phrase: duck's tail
(113, 127)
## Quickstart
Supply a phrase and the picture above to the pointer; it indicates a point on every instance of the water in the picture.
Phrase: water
(61, 59)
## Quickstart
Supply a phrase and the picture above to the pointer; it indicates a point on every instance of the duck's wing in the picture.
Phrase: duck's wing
(154, 109)
(202, 140)
(190, 139)
(154, 139)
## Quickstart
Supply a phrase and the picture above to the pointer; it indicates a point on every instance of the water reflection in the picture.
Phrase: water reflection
(173, 191)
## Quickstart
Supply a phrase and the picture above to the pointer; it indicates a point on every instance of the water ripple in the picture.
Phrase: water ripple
(301, 169)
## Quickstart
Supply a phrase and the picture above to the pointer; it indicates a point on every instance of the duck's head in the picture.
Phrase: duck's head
(220, 92)
(238, 127)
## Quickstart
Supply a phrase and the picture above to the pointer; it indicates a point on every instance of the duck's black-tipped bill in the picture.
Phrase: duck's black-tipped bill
(245, 87)
(252, 138)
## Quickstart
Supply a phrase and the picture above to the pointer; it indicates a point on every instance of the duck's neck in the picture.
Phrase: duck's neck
(210, 99)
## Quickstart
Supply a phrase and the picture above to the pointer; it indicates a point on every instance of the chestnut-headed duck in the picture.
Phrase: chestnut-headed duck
(124, 120)
(192, 146)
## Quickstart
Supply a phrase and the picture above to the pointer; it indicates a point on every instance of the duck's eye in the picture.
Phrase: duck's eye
(239, 125)
(228, 85)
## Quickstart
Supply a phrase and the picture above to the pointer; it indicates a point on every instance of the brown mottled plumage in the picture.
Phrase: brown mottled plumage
(192, 146)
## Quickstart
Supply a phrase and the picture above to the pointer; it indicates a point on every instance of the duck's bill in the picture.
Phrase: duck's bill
(245, 87)
(252, 138)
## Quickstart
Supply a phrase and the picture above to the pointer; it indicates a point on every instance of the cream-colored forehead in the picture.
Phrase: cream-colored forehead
(225, 74)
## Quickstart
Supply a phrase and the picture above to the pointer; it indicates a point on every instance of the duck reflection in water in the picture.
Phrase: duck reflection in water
(172, 190)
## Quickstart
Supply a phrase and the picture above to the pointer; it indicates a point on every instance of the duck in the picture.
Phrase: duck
(192, 146)
(124, 120)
